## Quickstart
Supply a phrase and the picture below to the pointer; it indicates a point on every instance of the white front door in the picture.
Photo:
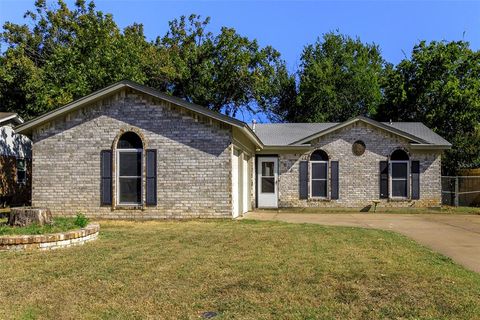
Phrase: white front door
(267, 177)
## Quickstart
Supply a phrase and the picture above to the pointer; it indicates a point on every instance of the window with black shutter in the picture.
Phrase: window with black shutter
(151, 177)
(415, 180)
(334, 174)
(106, 177)
(383, 179)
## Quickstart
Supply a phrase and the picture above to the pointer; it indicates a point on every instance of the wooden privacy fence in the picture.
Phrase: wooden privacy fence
(461, 191)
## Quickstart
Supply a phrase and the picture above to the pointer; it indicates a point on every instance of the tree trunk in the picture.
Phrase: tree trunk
(22, 217)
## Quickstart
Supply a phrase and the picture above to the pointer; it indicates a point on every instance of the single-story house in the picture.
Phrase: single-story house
(130, 151)
(15, 162)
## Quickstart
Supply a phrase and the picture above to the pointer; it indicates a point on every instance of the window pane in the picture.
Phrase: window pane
(130, 190)
(130, 164)
(21, 176)
(129, 140)
(319, 188)
(268, 185)
(399, 188)
(319, 171)
(20, 164)
(267, 169)
(399, 170)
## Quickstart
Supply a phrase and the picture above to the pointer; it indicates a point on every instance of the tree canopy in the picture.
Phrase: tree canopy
(64, 53)
(339, 78)
(439, 86)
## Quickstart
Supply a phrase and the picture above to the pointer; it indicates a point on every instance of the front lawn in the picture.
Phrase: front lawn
(240, 270)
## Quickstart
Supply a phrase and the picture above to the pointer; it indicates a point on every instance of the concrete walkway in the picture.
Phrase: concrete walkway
(456, 236)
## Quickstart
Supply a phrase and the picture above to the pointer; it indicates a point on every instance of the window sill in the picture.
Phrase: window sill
(399, 199)
(129, 207)
(319, 199)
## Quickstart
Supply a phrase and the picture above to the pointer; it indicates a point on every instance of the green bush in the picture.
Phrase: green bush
(81, 221)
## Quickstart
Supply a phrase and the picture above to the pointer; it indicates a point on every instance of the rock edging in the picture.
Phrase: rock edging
(50, 241)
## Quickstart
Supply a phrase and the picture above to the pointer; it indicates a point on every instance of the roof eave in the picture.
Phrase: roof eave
(15, 117)
(421, 146)
(366, 120)
(26, 127)
(288, 147)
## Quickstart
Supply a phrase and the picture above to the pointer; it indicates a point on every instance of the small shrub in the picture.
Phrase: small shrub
(81, 221)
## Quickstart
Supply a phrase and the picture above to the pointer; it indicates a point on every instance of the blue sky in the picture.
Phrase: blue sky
(289, 25)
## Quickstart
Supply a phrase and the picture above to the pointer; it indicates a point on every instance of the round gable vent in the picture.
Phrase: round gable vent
(358, 148)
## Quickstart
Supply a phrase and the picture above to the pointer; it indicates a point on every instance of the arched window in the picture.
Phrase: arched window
(319, 174)
(399, 173)
(399, 154)
(129, 169)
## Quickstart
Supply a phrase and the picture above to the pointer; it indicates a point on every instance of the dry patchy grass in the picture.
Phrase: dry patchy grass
(240, 269)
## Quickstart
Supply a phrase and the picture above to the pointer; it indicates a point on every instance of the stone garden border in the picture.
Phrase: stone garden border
(50, 241)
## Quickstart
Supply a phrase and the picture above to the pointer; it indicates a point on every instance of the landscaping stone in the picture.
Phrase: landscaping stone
(25, 216)
(50, 241)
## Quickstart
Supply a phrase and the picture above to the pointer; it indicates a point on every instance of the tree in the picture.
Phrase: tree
(339, 78)
(439, 86)
(68, 53)
(225, 72)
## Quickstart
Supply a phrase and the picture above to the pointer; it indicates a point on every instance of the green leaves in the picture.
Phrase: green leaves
(68, 53)
(439, 86)
(339, 79)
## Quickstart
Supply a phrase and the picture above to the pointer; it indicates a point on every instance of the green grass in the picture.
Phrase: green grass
(239, 269)
(60, 224)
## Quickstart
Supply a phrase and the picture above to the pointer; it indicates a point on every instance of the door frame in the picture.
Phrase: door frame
(237, 190)
(256, 175)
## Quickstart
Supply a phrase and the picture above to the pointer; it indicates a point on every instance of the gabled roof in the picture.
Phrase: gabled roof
(283, 134)
(295, 134)
(10, 117)
(97, 95)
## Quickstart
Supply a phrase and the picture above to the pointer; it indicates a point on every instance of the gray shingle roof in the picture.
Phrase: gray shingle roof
(283, 134)
(420, 130)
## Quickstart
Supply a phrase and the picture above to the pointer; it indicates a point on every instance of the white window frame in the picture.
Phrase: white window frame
(327, 179)
(390, 179)
(274, 177)
(117, 177)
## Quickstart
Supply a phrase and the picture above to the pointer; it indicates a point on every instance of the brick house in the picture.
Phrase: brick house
(129, 151)
(15, 162)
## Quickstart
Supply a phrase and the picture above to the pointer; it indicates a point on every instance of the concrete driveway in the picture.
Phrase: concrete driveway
(456, 236)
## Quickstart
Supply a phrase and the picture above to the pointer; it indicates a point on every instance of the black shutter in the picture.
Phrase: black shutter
(415, 180)
(334, 180)
(383, 179)
(151, 161)
(303, 180)
(106, 177)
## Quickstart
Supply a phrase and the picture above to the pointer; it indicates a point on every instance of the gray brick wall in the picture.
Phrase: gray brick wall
(193, 154)
(359, 175)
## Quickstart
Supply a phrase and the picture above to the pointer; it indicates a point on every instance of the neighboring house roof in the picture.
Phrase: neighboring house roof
(29, 125)
(10, 117)
(295, 134)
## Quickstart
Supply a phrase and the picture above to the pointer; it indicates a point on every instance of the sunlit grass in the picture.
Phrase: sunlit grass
(240, 270)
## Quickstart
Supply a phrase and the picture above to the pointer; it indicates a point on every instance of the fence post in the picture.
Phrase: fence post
(456, 192)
